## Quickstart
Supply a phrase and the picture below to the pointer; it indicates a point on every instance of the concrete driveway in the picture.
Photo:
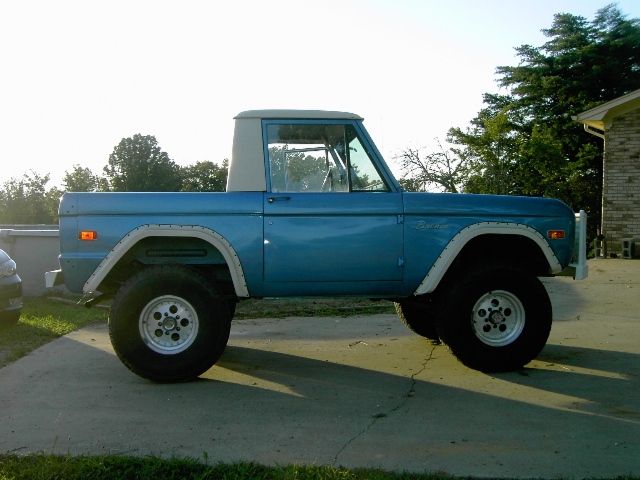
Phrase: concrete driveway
(357, 392)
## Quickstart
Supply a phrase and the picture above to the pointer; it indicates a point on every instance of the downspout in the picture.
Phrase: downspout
(601, 238)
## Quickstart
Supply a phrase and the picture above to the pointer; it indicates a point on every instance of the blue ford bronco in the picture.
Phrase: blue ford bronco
(312, 210)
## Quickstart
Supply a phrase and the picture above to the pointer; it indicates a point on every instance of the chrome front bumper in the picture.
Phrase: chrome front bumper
(578, 267)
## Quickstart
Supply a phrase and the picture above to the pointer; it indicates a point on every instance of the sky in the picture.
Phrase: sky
(78, 76)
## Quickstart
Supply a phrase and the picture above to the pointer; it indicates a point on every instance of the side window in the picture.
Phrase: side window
(319, 158)
(364, 174)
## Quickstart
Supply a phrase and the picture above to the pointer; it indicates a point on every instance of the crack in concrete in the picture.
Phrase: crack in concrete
(376, 417)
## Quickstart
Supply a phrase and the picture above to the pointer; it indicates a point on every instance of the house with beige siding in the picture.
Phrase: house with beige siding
(618, 123)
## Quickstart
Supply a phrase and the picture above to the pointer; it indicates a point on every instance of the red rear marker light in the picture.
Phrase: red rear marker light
(555, 234)
(88, 235)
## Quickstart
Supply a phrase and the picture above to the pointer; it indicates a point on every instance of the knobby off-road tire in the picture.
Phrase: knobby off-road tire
(419, 320)
(169, 324)
(496, 317)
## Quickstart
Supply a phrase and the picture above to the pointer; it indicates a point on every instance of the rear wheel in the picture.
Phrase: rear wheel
(419, 318)
(496, 317)
(169, 324)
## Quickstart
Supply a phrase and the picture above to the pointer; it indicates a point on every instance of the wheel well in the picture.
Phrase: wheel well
(516, 249)
(157, 250)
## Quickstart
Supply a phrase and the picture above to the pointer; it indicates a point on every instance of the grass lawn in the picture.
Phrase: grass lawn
(115, 468)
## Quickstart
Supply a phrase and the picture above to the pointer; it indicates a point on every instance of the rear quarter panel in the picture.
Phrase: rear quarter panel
(235, 216)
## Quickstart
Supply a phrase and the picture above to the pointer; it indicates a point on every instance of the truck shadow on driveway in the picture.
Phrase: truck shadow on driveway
(581, 380)
(585, 380)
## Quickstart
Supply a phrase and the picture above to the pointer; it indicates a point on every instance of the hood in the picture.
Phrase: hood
(486, 206)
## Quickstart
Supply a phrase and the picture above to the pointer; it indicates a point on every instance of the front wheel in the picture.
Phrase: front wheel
(496, 318)
(169, 324)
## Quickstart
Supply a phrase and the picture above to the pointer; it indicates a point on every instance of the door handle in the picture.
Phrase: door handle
(273, 199)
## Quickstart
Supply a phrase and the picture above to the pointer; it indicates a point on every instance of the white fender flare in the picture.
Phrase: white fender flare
(155, 230)
(455, 246)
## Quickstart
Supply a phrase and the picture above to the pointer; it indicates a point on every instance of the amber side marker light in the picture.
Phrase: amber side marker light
(555, 234)
(88, 235)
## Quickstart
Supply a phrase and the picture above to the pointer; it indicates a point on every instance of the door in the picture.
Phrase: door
(330, 217)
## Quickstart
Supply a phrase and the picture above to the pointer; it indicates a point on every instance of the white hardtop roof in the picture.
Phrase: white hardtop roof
(299, 114)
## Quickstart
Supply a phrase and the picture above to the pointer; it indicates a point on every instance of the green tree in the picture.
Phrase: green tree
(27, 201)
(205, 177)
(526, 137)
(295, 171)
(491, 149)
(82, 179)
(137, 164)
